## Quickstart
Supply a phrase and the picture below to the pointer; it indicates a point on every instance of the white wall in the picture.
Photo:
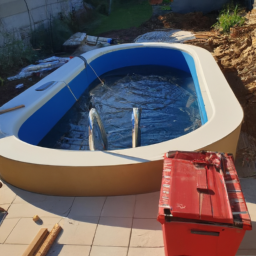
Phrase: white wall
(21, 16)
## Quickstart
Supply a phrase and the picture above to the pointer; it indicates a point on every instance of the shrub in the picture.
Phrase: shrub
(49, 38)
(1, 81)
(228, 18)
(14, 52)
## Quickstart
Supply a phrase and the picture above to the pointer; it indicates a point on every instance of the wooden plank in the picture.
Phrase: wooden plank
(201, 36)
(11, 109)
(49, 241)
(37, 242)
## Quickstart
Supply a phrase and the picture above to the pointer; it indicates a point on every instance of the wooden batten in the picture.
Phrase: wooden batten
(36, 243)
(11, 109)
(49, 241)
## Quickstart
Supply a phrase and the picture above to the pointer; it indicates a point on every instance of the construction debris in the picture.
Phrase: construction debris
(171, 36)
(3, 111)
(86, 41)
(19, 86)
(3, 214)
(36, 218)
(43, 67)
(92, 43)
(74, 41)
(36, 242)
(94, 40)
(49, 241)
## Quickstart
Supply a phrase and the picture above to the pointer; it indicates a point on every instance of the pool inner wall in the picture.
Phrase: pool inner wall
(42, 121)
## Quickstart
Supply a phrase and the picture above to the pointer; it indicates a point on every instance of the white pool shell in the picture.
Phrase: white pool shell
(115, 172)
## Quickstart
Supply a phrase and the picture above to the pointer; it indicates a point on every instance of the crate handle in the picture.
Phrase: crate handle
(205, 233)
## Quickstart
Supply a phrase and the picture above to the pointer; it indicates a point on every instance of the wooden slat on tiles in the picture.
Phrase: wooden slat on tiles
(37, 242)
(49, 241)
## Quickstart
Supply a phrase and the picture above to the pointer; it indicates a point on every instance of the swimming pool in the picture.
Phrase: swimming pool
(113, 172)
(166, 97)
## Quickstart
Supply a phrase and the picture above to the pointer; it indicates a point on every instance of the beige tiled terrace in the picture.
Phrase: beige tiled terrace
(95, 226)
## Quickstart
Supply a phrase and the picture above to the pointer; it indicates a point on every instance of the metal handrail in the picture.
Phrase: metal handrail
(94, 116)
(136, 132)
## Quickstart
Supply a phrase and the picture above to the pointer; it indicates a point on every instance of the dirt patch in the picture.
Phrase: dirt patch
(8, 90)
(190, 22)
(235, 54)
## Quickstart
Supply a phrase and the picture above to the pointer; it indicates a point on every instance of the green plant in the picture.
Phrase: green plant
(49, 39)
(46, 40)
(14, 52)
(166, 8)
(229, 17)
(1, 81)
(124, 14)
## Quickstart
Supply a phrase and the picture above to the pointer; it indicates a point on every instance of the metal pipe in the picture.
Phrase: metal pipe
(94, 116)
(136, 132)
(109, 8)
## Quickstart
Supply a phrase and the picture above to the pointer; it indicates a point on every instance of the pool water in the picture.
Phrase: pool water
(166, 96)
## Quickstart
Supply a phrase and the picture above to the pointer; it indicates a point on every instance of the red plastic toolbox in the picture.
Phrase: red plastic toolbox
(202, 208)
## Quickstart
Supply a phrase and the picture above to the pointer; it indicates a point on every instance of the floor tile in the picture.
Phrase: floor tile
(113, 231)
(5, 206)
(12, 249)
(119, 206)
(69, 250)
(249, 189)
(54, 207)
(26, 229)
(86, 206)
(6, 194)
(28, 211)
(252, 210)
(147, 205)
(6, 228)
(146, 233)
(246, 253)
(57, 204)
(146, 252)
(108, 251)
(24, 196)
(78, 232)
(248, 242)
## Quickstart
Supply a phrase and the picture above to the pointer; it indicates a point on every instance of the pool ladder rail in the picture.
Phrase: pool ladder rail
(95, 117)
(136, 132)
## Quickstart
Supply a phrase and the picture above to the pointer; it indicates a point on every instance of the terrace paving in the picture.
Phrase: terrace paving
(95, 226)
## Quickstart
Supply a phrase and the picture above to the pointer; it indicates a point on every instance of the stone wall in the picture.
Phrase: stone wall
(22, 16)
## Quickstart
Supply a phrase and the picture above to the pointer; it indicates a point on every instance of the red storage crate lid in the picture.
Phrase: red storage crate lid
(202, 186)
(193, 188)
